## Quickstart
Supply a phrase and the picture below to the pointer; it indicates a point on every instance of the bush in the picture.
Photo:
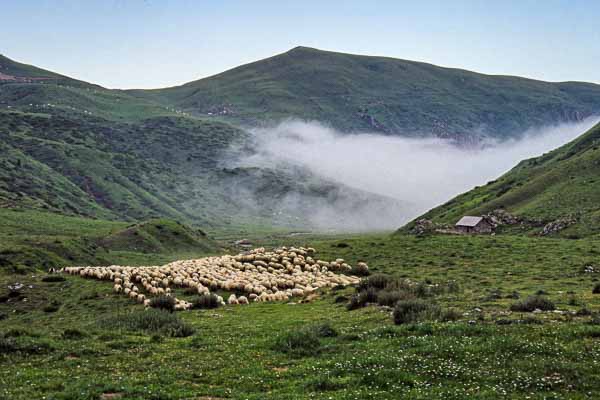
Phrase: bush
(301, 342)
(205, 301)
(150, 321)
(450, 315)
(408, 311)
(163, 303)
(53, 278)
(377, 281)
(325, 330)
(72, 334)
(52, 307)
(362, 298)
(596, 289)
(391, 297)
(341, 299)
(532, 303)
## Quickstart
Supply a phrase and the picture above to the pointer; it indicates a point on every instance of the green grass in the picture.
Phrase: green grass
(288, 351)
(36, 240)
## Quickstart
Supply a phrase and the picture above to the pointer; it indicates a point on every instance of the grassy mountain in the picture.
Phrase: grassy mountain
(79, 149)
(562, 184)
(354, 92)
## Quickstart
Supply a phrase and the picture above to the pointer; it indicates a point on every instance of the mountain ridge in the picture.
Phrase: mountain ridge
(370, 93)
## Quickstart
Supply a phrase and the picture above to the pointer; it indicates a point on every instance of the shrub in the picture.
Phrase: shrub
(391, 297)
(341, 299)
(301, 342)
(72, 334)
(52, 307)
(407, 311)
(596, 289)
(163, 303)
(532, 303)
(362, 298)
(205, 301)
(53, 278)
(377, 281)
(325, 330)
(450, 315)
(150, 321)
(531, 320)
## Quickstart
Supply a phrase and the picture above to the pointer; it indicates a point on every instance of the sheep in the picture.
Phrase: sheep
(261, 275)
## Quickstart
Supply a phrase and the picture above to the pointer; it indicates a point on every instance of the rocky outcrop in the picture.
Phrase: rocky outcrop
(557, 225)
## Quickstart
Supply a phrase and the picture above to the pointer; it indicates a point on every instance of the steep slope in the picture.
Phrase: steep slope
(562, 184)
(357, 93)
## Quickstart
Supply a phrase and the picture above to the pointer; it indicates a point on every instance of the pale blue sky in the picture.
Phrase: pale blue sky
(157, 43)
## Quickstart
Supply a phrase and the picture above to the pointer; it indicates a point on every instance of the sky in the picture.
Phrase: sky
(159, 43)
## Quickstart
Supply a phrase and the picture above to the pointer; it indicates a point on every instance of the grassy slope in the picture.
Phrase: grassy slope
(376, 93)
(231, 355)
(88, 166)
(32, 239)
(75, 148)
(561, 183)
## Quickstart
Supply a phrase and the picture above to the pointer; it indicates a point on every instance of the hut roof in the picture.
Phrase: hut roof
(469, 221)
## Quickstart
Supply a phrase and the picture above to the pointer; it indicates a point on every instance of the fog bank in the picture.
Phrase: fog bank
(422, 173)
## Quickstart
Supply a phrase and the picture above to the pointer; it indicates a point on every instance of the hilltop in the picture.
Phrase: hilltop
(365, 93)
(560, 185)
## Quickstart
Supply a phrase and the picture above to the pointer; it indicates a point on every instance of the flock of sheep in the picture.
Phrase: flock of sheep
(260, 275)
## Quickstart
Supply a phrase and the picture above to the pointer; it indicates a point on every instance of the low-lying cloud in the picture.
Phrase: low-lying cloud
(420, 173)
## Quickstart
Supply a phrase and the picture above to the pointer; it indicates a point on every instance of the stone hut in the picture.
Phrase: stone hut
(468, 224)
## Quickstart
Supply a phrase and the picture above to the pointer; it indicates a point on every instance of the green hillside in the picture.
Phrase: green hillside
(32, 240)
(79, 149)
(562, 184)
(389, 95)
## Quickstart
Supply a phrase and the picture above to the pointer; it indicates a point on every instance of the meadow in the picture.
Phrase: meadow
(76, 339)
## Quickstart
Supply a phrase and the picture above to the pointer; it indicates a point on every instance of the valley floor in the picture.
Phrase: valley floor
(66, 340)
